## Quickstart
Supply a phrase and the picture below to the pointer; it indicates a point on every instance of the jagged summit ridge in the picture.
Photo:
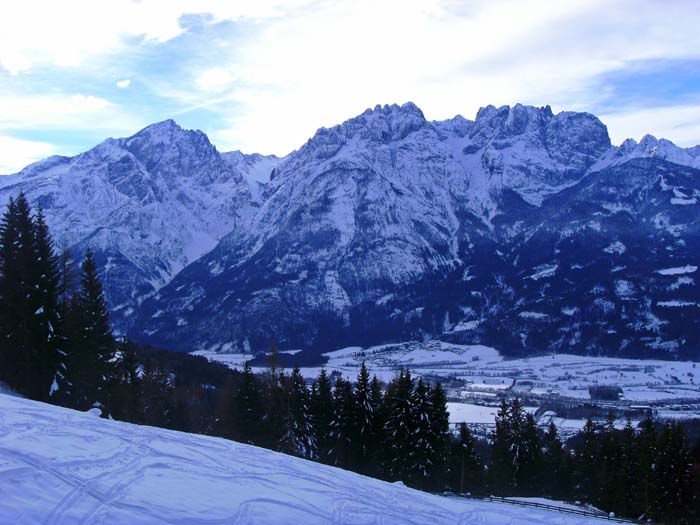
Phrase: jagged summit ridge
(364, 230)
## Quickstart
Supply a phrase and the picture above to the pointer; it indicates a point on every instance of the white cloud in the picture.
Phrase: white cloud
(215, 79)
(679, 124)
(123, 83)
(303, 64)
(17, 153)
(63, 112)
(68, 33)
(318, 67)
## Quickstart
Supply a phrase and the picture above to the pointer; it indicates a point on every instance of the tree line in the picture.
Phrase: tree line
(649, 473)
(399, 432)
(56, 339)
(56, 345)
(56, 342)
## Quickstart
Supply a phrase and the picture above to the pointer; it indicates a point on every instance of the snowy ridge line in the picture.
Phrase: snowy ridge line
(499, 499)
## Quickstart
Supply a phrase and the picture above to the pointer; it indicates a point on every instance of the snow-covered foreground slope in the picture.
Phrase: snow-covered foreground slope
(61, 466)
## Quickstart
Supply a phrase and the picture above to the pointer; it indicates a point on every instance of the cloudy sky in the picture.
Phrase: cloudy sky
(262, 75)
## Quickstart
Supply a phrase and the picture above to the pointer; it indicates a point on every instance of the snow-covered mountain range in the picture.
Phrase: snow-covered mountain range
(147, 205)
(521, 229)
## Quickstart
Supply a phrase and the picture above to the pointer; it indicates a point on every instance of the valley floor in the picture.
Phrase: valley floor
(484, 370)
(476, 375)
(62, 466)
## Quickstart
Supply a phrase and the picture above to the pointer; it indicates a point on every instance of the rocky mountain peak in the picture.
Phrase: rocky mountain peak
(651, 147)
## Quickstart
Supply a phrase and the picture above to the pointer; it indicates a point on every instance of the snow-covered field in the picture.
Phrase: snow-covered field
(675, 385)
(58, 466)
(486, 371)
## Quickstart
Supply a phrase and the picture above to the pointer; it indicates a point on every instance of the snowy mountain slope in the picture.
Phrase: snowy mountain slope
(389, 227)
(605, 268)
(61, 466)
(372, 212)
(147, 205)
(649, 148)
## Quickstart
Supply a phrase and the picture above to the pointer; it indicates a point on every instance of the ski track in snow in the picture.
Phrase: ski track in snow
(59, 466)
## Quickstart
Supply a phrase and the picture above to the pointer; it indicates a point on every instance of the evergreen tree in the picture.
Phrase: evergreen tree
(422, 455)
(606, 465)
(517, 451)
(321, 408)
(126, 388)
(273, 358)
(30, 323)
(399, 428)
(9, 297)
(363, 438)
(626, 479)
(695, 461)
(555, 466)
(528, 447)
(19, 298)
(674, 480)
(503, 461)
(298, 437)
(247, 408)
(645, 447)
(376, 401)
(157, 396)
(275, 412)
(49, 340)
(466, 472)
(92, 346)
(585, 462)
(342, 426)
(439, 437)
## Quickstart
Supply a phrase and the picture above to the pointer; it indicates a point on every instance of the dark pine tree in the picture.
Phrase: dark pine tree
(645, 447)
(528, 449)
(50, 342)
(502, 469)
(247, 408)
(585, 463)
(363, 438)
(31, 338)
(297, 439)
(342, 426)
(126, 391)
(399, 428)
(421, 453)
(695, 460)
(92, 346)
(517, 451)
(157, 396)
(9, 352)
(376, 401)
(607, 464)
(674, 478)
(275, 408)
(439, 437)
(626, 479)
(321, 409)
(556, 466)
(466, 468)
(19, 298)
